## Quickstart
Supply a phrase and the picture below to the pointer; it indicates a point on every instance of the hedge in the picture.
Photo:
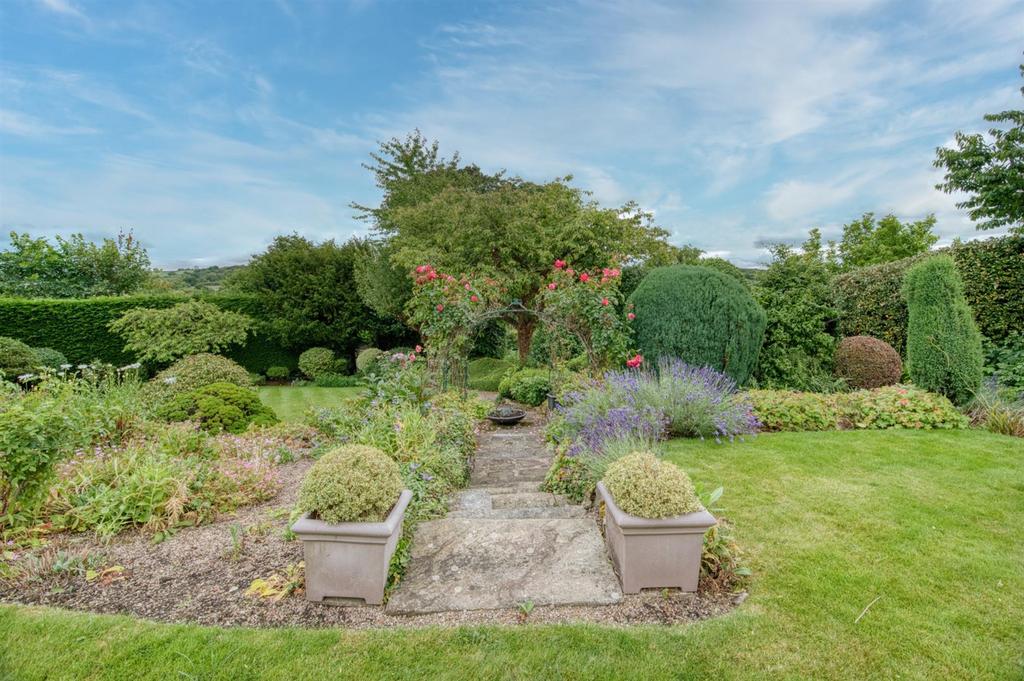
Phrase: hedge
(870, 303)
(78, 327)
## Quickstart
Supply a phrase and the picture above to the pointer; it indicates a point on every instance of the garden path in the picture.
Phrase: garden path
(504, 542)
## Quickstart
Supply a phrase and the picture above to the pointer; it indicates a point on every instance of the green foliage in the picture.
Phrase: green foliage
(882, 408)
(166, 334)
(192, 279)
(308, 294)
(367, 359)
(700, 315)
(988, 170)
(318, 361)
(74, 268)
(796, 294)
(1005, 362)
(644, 486)
(353, 483)
(528, 386)
(486, 373)
(866, 362)
(219, 407)
(16, 358)
(870, 301)
(779, 410)
(943, 343)
(196, 371)
(278, 373)
(570, 477)
(79, 328)
(870, 242)
(49, 358)
(992, 410)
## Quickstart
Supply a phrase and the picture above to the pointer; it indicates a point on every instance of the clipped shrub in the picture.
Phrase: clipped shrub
(318, 361)
(219, 407)
(785, 410)
(647, 487)
(49, 358)
(16, 358)
(944, 351)
(195, 371)
(701, 315)
(353, 483)
(278, 373)
(866, 362)
(486, 373)
(528, 386)
(366, 360)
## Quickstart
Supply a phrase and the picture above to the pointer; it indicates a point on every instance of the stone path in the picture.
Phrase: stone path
(504, 542)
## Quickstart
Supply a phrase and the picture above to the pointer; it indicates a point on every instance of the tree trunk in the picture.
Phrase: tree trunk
(525, 325)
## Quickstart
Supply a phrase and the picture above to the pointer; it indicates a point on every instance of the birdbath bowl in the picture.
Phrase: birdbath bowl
(506, 415)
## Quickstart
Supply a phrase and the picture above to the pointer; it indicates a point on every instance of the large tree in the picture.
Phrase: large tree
(990, 170)
(73, 267)
(309, 292)
(462, 220)
(868, 241)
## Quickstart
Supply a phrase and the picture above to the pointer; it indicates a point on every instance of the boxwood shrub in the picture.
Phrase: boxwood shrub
(219, 407)
(528, 386)
(866, 362)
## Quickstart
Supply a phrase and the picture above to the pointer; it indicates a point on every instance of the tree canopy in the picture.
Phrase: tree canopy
(188, 328)
(867, 241)
(73, 268)
(990, 170)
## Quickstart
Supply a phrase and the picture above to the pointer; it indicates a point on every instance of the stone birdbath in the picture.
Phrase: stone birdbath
(506, 415)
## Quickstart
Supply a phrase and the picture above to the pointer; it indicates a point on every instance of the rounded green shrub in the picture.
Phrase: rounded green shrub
(49, 358)
(219, 407)
(318, 361)
(944, 352)
(278, 373)
(195, 371)
(866, 362)
(527, 386)
(353, 483)
(702, 316)
(16, 358)
(486, 373)
(367, 358)
(647, 487)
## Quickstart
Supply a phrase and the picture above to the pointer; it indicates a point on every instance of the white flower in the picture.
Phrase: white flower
(83, 366)
(66, 366)
(26, 377)
(127, 367)
(170, 380)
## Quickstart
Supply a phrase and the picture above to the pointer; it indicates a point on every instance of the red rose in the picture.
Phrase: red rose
(584, 277)
(474, 299)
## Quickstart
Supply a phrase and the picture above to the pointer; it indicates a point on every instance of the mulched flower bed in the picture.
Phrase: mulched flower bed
(201, 575)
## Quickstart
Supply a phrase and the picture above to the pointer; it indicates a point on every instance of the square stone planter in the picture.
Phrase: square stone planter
(350, 560)
(658, 553)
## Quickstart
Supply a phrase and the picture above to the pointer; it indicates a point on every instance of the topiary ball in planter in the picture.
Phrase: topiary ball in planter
(654, 523)
(647, 487)
(865, 362)
(354, 483)
(354, 503)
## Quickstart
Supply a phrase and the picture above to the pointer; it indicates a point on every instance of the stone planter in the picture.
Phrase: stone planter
(350, 560)
(654, 553)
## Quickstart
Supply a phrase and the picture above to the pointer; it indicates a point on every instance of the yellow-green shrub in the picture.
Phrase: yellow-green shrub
(353, 483)
(645, 486)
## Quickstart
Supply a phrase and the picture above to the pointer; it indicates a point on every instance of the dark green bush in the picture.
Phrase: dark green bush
(278, 373)
(16, 358)
(866, 362)
(528, 386)
(318, 361)
(78, 327)
(869, 302)
(49, 358)
(943, 343)
(700, 315)
(190, 373)
(486, 373)
(219, 407)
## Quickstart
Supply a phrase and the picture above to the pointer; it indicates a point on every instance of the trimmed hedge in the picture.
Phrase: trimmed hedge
(702, 316)
(78, 327)
(870, 303)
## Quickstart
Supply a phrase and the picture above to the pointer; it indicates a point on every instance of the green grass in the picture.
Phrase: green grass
(290, 403)
(929, 523)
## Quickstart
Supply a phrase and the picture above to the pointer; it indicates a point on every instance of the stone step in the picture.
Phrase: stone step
(569, 511)
(508, 488)
(485, 563)
(499, 471)
(527, 500)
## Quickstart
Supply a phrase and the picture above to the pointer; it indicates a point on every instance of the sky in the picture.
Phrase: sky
(209, 127)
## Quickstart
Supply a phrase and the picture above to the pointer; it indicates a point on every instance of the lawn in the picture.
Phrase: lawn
(923, 527)
(290, 403)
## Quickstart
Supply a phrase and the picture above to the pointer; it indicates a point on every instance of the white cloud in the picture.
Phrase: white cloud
(62, 7)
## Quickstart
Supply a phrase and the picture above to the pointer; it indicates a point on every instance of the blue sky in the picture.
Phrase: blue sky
(209, 127)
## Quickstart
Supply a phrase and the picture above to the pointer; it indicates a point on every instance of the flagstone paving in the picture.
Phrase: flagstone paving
(505, 542)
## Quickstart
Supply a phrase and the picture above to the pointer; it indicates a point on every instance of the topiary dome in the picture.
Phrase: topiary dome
(647, 487)
(353, 483)
(866, 362)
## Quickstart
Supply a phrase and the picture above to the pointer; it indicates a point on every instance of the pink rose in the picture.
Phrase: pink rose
(631, 316)
(474, 298)
(552, 286)
(412, 356)
(440, 307)
(559, 264)
(571, 271)
(584, 277)
(419, 348)
(467, 287)
(604, 301)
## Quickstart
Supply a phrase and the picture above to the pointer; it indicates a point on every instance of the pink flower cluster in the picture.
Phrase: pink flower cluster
(607, 274)
(635, 361)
